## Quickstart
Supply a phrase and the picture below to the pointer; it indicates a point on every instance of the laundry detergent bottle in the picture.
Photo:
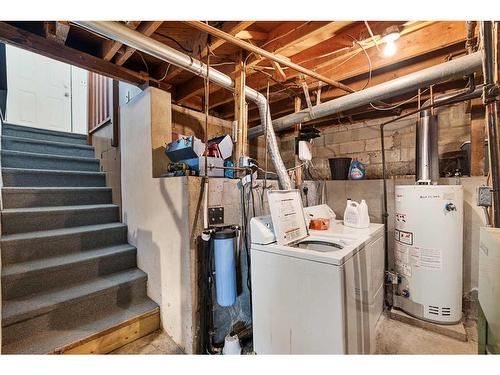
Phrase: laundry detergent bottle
(357, 170)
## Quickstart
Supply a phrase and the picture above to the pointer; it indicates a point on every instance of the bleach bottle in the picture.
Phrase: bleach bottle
(356, 170)
(356, 214)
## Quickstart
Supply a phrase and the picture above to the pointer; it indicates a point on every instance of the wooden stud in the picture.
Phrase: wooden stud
(240, 109)
(477, 134)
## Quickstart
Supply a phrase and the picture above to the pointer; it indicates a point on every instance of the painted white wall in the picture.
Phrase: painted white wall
(45, 93)
(156, 213)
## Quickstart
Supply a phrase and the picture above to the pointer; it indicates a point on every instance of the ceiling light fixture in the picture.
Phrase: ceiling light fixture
(389, 37)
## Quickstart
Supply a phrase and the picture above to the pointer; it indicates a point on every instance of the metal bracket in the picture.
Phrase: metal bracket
(216, 215)
(490, 92)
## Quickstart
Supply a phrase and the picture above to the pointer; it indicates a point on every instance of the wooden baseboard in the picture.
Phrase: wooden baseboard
(114, 338)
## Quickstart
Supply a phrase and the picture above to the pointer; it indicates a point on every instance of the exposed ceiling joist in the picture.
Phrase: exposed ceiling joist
(419, 42)
(111, 47)
(230, 27)
(147, 28)
(43, 46)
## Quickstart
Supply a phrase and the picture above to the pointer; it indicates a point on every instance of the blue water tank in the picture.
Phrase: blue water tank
(225, 266)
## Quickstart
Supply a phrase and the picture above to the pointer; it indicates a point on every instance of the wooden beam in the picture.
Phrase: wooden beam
(281, 103)
(146, 28)
(37, 44)
(111, 47)
(56, 31)
(106, 341)
(229, 27)
(240, 109)
(291, 38)
(266, 54)
(477, 134)
(433, 37)
(249, 34)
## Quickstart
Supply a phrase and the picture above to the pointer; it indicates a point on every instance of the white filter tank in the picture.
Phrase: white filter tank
(428, 251)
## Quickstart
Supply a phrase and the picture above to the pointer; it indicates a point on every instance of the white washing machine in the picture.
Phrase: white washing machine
(314, 292)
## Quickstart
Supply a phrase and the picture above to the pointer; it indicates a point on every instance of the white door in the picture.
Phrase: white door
(38, 91)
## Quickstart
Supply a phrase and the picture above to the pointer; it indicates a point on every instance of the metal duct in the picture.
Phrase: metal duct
(140, 42)
(427, 158)
(439, 73)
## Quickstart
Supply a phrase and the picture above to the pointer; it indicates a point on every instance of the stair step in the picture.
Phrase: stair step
(39, 275)
(24, 197)
(42, 134)
(21, 159)
(60, 336)
(24, 247)
(70, 306)
(32, 306)
(46, 147)
(51, 178)
(22, 220)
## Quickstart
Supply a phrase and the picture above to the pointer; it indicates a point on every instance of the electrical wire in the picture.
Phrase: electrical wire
(166, 72)
(176, 42)
(399, 104)
(367, 57)
(144, 61)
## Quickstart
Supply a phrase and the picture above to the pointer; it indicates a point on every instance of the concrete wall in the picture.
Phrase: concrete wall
(362, 140)
(110, 160)
(156, 211)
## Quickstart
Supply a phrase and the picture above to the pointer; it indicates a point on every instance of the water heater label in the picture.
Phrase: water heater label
(404, 237)
(419, 257)
(401, 259)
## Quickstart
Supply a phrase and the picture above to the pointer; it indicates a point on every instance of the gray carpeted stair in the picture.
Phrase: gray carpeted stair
(67, 270)
(24, 197)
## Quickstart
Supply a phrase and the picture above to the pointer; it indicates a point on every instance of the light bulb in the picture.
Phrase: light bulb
(390, 49)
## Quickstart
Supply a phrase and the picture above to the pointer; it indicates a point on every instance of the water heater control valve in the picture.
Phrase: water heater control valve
(450, 207)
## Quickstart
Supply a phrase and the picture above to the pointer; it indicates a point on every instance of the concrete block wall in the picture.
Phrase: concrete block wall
(362, 140)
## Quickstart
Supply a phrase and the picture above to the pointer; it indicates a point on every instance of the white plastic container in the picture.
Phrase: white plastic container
(231, 345)
(356, 214)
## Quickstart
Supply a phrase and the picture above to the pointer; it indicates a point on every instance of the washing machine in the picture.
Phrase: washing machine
(314, 292)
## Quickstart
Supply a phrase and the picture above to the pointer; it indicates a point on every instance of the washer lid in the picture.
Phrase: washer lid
(287, 214)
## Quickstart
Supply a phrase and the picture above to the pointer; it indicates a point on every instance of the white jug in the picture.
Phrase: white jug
(356, 214)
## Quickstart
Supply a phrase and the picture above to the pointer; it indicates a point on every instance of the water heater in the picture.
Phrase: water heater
(428, 251)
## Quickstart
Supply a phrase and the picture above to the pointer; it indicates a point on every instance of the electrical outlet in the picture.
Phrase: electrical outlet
(484, 196)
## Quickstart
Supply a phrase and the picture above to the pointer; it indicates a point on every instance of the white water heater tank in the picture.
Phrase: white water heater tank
(428, 251)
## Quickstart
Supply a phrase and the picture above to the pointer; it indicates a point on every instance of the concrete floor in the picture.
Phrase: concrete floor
(157, 342)
(393, 337)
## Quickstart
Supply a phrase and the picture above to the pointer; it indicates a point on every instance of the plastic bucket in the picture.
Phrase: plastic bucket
(339, 168)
